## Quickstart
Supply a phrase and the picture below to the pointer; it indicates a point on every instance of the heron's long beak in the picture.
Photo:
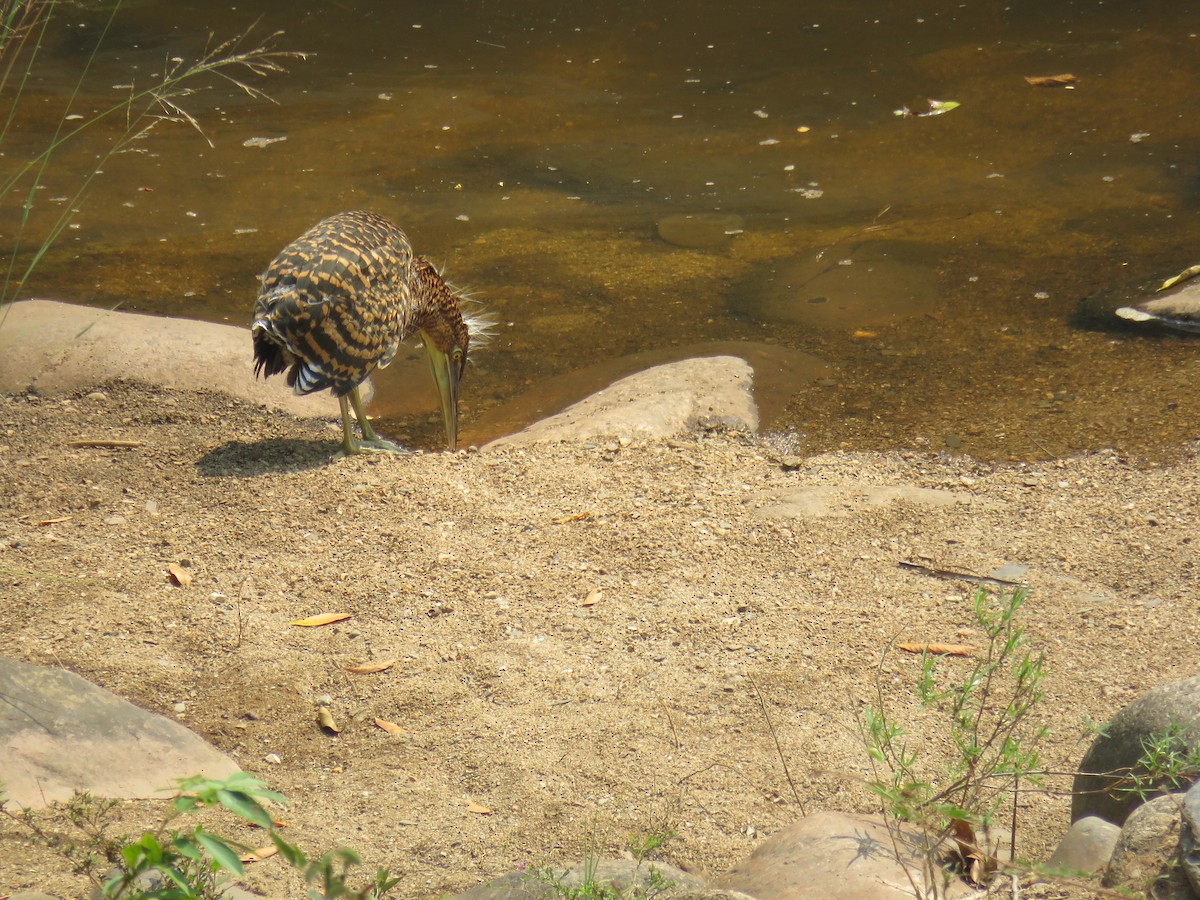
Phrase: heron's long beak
(446, 371)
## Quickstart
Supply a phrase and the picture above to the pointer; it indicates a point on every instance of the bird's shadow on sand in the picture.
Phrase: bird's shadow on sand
(239, 459)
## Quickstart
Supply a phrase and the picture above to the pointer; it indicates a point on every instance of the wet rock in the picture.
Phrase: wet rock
(876, 283)
(700, 231)
(660, 402)
(1178, 310)
(834, 856)
(1086, 847)
(1141, 304)
(1102, 772)
(778, 373)
(1147, 852)
(60, 733)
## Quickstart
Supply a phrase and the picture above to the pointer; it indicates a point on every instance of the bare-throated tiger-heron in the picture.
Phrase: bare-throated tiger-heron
(335, 304)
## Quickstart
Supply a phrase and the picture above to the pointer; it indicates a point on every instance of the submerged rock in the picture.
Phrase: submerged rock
(700, 231)
(876, 283)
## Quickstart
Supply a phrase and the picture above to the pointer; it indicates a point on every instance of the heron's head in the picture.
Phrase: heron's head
(447, 333)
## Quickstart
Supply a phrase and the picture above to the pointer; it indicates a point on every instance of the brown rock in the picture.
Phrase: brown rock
(1147, 852)
(835, 855)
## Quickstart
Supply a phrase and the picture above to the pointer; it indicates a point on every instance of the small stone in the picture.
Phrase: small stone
(324, 700)
(272, 758)
(1086, 847)
(114, 520)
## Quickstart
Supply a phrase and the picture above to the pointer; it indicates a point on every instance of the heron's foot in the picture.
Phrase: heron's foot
(382, 445)
(371, 445)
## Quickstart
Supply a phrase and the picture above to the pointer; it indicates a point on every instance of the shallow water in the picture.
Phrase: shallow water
(533, 151)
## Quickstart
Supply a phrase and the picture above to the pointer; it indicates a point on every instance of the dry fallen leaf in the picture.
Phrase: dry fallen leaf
(325, 718)
(940, 649)
(478, 810)
(1051, 80)
(563, 520)
(977, 861)
(44, 522)
(179, 575)
(595, 595)
(321, 619)
(389, 727)
(260, 854)
(368, 668)
(863, 335)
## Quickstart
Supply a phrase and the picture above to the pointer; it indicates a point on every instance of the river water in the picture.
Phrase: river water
(621, 179)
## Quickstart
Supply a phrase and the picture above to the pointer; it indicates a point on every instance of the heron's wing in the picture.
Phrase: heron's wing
(335, 299)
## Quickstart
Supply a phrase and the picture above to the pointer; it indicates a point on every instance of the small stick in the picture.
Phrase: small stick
(950, 573)
(100, 442)
(779, 750)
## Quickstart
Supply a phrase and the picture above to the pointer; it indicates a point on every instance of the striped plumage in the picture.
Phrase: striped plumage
(335, 304)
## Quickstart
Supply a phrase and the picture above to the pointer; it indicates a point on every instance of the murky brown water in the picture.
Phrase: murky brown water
(534, 151)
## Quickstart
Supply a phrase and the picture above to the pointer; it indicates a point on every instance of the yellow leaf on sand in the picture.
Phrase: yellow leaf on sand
(179, 575)
(260, 854)
(940, 649)
(389, 727)
(577, 517)
(595, 595)
(321, 619)
(368, 668)
(478, 810)
(325, 718)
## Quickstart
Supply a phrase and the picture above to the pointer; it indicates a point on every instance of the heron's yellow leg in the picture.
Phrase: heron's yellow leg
(370, 440)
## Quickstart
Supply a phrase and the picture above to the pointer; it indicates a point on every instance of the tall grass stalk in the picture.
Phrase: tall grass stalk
(24, 26)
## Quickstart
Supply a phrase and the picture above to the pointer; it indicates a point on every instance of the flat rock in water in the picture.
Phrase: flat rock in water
(52, 348)
(877, 283)
(700, 231)
(660, 402)
(1140, 303)
(60, 733)
(778, 373)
